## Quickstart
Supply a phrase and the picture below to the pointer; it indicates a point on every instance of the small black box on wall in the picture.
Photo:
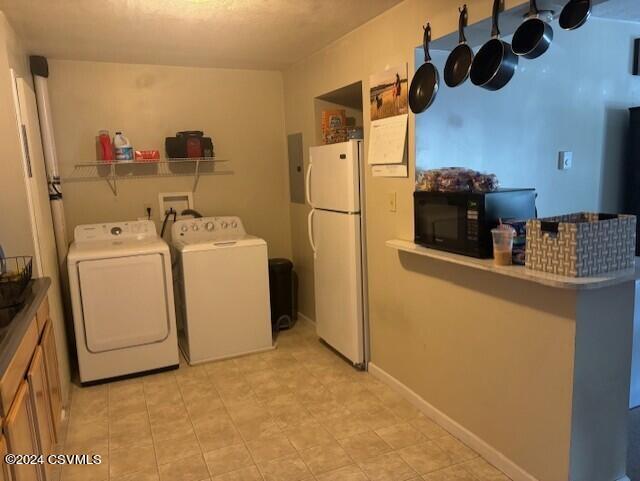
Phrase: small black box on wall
(636, 57)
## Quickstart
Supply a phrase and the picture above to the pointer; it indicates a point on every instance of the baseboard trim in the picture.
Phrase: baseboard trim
(305, 318)
(495, 457)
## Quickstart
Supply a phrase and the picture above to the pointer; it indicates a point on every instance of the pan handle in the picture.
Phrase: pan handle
(425, 42)
(498, 6)
(534, 11)
(463, 22)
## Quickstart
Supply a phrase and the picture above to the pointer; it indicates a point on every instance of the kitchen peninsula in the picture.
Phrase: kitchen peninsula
(537, 366)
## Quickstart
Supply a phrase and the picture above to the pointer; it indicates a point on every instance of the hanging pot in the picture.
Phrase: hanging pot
(575, 14)
(534, 35)
(424, 86)
(458, 66)
(495, 64)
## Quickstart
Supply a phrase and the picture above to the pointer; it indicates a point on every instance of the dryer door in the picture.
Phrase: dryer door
(124, 302)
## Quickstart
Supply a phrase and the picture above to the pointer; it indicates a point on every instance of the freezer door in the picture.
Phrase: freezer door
(333, 177)
(338, 283)
(124, 302)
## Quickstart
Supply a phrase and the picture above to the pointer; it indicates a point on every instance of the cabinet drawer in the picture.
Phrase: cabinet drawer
(18, 366)
(42, 315)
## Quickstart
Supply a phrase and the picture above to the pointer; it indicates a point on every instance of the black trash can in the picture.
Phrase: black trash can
(281, 293)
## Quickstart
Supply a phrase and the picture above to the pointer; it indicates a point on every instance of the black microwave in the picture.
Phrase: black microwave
(461, 222)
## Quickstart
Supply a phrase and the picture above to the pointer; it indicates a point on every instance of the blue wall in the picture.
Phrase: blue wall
(573, 98)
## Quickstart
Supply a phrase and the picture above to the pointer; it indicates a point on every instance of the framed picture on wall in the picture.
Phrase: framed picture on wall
(388, 92)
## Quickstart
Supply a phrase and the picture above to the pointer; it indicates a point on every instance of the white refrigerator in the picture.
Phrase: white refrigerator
(336, 233)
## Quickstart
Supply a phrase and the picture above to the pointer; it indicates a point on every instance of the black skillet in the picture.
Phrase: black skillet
(424, 85)
(495, 64)
(456, 70)
(575, 14)
(534, 35)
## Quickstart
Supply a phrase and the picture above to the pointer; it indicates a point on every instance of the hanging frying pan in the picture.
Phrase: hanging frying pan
(575, 14)
(456, 70)
(534, 35)
(424, 85)
(494, 65)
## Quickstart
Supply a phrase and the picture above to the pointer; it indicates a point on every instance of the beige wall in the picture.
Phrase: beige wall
(241, 109)
(15, 227)
(428, 329)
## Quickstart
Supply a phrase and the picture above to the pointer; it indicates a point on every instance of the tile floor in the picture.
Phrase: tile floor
(298, 413)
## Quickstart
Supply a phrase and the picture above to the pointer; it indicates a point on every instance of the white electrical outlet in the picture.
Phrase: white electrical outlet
(565, 160)
(178, 201)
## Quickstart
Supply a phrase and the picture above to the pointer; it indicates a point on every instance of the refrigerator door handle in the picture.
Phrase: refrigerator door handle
(308, 184)
(310, 230)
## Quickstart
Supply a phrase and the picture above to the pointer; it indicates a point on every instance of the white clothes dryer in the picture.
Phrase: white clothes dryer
(122, 298)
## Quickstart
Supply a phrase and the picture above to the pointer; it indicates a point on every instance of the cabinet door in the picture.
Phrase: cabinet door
(39, 390)
(19, 431)
(53, 376)
(4, 469)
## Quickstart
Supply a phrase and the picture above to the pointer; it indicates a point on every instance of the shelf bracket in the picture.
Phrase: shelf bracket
(196, 176)
(112, 180)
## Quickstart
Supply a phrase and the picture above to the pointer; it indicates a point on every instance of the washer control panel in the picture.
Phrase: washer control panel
(139, 229)
(206, 229)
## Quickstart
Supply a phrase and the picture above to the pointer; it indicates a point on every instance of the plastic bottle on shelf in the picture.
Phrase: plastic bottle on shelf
(124, 151)
(105, 148)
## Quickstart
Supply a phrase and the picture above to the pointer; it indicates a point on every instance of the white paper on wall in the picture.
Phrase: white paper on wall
(392, 170)
(387, 140)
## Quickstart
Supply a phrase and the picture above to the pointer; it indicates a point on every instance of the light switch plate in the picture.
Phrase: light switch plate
(391, 201)
(565, 160)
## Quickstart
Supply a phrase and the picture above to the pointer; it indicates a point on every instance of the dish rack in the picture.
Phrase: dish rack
(15, 274)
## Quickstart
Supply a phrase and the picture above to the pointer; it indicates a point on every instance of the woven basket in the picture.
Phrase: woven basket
(582, 244)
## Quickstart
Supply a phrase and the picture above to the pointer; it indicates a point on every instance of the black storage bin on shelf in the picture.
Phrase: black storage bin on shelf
(281, 293)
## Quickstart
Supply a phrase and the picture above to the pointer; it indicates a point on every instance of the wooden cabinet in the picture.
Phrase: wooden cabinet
(41, 406)
(18, 366)
(20, 435)
(48, 343)
(31, 399)
(42, 315)
(4, 469)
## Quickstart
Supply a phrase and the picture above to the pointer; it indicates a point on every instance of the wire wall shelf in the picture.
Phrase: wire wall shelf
(113, 172)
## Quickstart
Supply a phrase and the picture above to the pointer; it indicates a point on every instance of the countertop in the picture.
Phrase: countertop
(11, 335)
(520, 272)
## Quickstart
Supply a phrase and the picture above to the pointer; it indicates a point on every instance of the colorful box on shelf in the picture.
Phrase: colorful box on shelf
(147, 155)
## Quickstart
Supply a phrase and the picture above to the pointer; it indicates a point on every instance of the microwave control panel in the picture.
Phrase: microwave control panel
(472, 220)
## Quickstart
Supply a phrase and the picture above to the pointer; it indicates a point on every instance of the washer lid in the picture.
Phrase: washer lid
(196, 246)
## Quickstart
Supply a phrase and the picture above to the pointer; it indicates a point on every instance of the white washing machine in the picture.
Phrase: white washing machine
(122, 296)
(221, 277)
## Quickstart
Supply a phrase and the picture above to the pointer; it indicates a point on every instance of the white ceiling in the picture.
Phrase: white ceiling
(260, 34)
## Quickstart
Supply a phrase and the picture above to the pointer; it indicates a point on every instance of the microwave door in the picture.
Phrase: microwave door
(441, 223)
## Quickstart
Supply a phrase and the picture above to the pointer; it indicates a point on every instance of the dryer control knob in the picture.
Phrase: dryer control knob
(184, 228)
(209, 226)
(194, 227)
(234, 224)
(224, 225)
